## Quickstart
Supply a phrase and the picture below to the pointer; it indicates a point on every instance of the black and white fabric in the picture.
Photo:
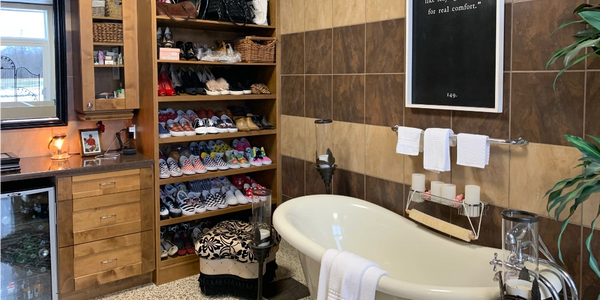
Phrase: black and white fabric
(229, 240)
(211, 200)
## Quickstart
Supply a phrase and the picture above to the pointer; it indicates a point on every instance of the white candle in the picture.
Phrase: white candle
(436, 188)
(418, 182)
(325, 158)
(472, 194)
(449, 191)
(264, 233)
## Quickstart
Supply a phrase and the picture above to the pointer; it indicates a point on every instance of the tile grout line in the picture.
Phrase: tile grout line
(365, 109)
(510, 80)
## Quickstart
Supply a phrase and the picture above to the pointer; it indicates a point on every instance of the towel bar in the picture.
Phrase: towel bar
(520, 141)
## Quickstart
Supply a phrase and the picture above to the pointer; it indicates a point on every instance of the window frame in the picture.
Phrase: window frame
(55, 72)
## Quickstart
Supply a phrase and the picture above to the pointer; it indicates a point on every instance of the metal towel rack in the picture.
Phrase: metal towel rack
(520, 141)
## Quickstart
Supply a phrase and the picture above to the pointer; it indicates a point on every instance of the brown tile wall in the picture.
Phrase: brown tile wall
(350, 57)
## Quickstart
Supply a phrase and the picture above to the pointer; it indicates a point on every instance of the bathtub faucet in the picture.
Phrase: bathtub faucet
(553, 268)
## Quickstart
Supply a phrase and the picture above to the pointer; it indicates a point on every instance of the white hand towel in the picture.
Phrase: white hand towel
(409, 141)
(326, 262)
(368, 286)
(436, 149)
(473, 150)
(346, 276)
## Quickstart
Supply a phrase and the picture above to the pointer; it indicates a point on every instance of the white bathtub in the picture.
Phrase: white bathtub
(421, 263)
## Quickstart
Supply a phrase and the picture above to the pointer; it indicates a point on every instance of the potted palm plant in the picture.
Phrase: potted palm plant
(563, 194)
(585, 38)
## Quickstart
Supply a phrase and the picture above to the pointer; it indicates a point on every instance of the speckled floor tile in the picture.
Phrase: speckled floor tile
(187, 288)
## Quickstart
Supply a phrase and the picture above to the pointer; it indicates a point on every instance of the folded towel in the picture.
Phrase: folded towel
(409, 141)
(436, 149)
(368, 286)
(473, 150)
(346, 276)
(326, 262)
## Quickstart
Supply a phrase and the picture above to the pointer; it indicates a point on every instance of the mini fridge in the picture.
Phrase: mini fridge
(28, 245)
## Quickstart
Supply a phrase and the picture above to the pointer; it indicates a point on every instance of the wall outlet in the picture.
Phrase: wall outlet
(131, 132)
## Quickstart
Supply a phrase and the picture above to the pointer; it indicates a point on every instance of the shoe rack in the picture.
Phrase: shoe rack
(97, 78)
(203, 32)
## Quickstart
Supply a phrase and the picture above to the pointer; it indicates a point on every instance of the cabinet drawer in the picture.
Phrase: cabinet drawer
(106, 216)
(106, 200)
(94, 280)
(121, 252)
(105, 183)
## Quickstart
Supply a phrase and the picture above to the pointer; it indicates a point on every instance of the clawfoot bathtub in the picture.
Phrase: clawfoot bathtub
(422, 264)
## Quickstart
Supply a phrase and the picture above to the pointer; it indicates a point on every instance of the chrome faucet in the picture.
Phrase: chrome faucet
(516, 258)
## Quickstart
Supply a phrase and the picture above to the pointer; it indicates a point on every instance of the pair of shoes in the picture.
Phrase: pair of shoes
(192, 85)
(187, 51)
(168, 168)
(192, 165)
(164, 40)
(260, 88)
(165, 87)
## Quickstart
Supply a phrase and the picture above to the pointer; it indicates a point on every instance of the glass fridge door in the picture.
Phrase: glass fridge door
(28, 252)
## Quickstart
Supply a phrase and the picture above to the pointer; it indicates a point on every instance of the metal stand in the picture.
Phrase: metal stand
(327, 175)
(261, 255)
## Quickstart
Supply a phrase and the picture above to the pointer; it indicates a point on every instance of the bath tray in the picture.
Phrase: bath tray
(468, 210)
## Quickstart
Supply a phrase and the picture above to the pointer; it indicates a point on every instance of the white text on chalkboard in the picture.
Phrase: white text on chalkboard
(447, 9)
(451, 95)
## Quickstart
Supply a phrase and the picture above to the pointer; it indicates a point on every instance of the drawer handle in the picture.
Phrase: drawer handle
(107, 217)
(109, 261)
(107, 183)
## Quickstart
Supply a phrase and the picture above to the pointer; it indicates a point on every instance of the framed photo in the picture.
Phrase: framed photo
(91, 144)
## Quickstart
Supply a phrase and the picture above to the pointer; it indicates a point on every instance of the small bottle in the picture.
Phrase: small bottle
(120, 59)
(100, 57)
(38, 288)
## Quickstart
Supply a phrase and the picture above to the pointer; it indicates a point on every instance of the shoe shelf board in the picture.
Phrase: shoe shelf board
(108, 44)
(107, 18)
(174, 268)
(213, 63)
(109, 66)
(170, 261)
(207, 214)
(187, 98)
(208, 137)
(212, 174)
(165, 21)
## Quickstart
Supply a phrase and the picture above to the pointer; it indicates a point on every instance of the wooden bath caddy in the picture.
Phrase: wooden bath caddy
(467, 210)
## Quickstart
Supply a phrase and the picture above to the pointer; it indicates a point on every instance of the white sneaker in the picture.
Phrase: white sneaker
(229, 197)
(241, 199)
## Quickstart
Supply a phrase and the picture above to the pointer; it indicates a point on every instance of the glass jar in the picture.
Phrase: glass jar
(261, 217)
(58, 146)
(324, 131)
(520, 251)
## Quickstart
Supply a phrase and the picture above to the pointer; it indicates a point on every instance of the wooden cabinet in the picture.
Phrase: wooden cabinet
(105, 232)
(97, 77)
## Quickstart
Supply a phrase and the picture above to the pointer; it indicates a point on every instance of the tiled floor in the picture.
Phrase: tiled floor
(187, 288)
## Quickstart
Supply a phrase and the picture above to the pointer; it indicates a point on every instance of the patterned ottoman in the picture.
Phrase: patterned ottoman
(228, 265)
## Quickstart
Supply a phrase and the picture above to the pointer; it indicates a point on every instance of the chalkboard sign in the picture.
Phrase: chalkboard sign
(454, 54)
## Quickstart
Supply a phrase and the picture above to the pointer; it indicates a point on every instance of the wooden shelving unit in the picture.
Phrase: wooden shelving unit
(148, 142)
(96, 79)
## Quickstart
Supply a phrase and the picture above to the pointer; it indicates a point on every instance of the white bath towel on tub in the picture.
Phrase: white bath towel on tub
(346, 276)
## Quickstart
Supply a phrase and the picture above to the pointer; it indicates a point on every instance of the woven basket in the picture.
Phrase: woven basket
(114, 9)
(98, 11)
(256, 49)
(108, 33)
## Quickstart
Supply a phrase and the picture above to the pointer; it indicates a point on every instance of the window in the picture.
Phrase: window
(28, 61)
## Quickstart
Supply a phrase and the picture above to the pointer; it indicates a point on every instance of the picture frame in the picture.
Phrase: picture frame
(442, 80)
(92, 162)
(90, 141)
